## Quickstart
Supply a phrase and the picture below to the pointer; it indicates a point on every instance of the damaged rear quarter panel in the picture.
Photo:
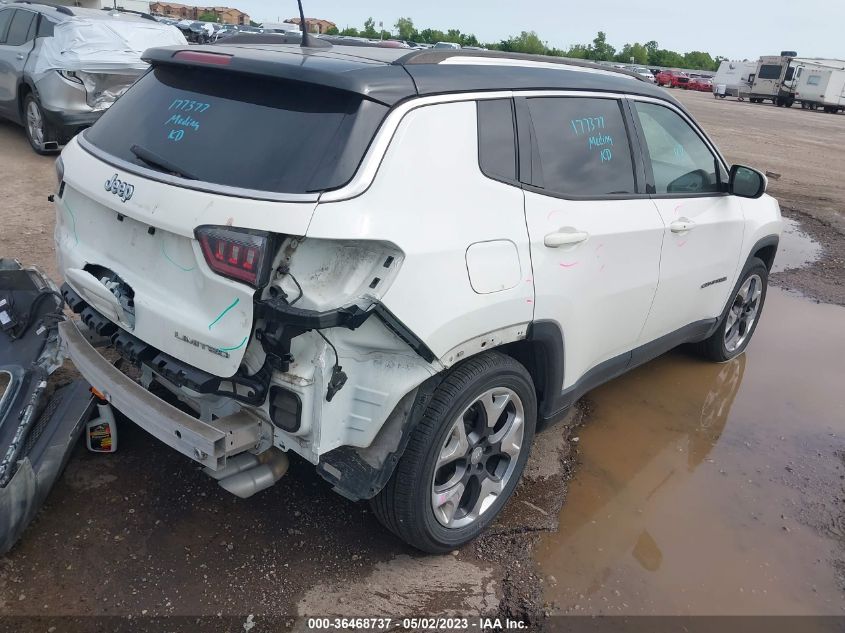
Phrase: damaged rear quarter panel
(433, 204)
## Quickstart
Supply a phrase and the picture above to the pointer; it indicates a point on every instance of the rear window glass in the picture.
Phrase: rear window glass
(45, 28)
(240, 131)
(582, 146)
(497, 139)
(769, 71)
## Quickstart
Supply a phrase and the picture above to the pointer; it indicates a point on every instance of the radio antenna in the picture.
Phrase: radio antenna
(307, 40)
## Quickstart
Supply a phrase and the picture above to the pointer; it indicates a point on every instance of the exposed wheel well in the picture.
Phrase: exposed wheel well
(767, 254)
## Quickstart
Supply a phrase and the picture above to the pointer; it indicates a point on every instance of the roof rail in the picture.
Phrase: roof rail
(145, 16)
(435, 56)
(58, 7)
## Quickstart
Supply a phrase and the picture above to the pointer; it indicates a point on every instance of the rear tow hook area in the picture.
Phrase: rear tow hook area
(40, 422)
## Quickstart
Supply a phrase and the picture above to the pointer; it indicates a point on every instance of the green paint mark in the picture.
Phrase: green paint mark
(222, 314)
(73, 218)
(238, 346)
(179, 266)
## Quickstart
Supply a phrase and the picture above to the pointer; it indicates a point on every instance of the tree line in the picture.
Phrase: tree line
(647, 54)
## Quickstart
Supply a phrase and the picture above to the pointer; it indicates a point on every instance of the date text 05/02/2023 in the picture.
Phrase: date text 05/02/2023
(433, 624)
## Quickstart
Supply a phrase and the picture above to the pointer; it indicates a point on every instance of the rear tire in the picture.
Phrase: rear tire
(464, 458)
(38, 129)
(741, 317)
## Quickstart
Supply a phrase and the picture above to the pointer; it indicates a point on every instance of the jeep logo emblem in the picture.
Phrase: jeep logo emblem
(121, 189)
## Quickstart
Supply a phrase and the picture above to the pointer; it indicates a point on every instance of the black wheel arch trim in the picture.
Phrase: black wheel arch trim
(30, 85)
(361, 473)
(764, 242)
(768, 241)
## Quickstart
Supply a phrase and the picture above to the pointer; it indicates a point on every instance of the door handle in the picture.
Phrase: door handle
(562, 238)
(682, 226)
(19, 56)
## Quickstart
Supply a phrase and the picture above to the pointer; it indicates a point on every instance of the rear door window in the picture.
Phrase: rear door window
(240, 131)
(581, 146)
(19, 29)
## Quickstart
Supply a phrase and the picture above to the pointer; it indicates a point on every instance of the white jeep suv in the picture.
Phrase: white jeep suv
(397, 265)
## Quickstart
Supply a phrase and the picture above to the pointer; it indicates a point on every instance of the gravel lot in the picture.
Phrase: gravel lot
(145, 533)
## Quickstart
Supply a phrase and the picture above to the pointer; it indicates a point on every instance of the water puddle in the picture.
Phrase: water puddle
(712, 489)
(796, 248)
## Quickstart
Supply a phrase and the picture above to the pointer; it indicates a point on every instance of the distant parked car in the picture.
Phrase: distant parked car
(644, 72)
(446, 45)
(392, 44)
(700, 84)
(672, 79)
(62, 67)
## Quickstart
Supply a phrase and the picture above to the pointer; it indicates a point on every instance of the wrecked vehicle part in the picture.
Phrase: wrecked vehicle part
(296, 348)
(36, 432)
(246, 389)
(361, 473)
(209, 443)
(45, 453)
(293, 407)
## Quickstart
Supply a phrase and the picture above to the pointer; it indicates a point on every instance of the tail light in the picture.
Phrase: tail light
(238, 254)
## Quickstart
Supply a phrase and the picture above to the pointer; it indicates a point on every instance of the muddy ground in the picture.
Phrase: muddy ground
(693, 488)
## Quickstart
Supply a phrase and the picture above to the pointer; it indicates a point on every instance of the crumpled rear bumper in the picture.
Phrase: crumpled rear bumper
(209, 443)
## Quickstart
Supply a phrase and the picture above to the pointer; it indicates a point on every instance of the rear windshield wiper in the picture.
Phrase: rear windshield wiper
(154, 160)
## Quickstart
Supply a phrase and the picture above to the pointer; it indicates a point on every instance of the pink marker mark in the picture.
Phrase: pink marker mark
(678, 210)
(568, 265)
(682, 243)
(600, 246)
(529, 301)
(601, 270)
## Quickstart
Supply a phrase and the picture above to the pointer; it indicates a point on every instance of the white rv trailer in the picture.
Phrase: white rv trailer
(733, 78)
(774, 79)
(820, 83)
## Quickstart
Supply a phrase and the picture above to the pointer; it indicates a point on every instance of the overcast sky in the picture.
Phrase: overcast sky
(737, 29)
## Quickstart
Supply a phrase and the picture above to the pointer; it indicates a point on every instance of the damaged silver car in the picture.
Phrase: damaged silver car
(62, 67)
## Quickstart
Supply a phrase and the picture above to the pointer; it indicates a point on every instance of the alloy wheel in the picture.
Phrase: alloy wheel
(35, 123)
(743, 313)
(478, 457)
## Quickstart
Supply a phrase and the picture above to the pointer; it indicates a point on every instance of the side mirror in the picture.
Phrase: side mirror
(746, 182)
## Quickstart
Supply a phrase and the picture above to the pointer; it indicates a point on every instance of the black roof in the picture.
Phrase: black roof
(389, 75)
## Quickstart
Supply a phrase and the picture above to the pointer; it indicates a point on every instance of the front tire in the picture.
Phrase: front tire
(743, 313)
(39, 132)
(464, 458)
